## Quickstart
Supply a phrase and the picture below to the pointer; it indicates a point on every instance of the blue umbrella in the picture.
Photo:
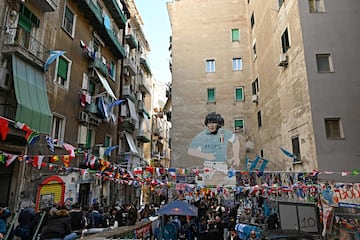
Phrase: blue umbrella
(178, 207)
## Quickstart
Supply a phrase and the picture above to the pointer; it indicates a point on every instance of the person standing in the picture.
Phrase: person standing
(27, 219)
(58, 227)
(4, 214)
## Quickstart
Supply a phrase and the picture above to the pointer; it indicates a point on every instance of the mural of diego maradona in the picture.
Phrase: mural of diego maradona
(211, 145)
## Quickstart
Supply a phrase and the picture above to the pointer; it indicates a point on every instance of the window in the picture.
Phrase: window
(259, 118)
(252, 20)
(254, 51)
(237, 64)
(210, 66)
(255, 87)
(235, 35)
(239, 94)
(58, 128)
(63, 70)
(69, 21)
(296, 148)
(316, 6)
(90, 138)
(324, 63)
(239, 125)
(281, 3)
(107, 141)
(285, 44)
(333, 128)
(211, 95)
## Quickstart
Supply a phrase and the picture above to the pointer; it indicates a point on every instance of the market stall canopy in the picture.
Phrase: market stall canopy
(178, 207)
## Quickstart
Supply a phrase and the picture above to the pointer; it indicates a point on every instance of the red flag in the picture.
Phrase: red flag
(4, 128)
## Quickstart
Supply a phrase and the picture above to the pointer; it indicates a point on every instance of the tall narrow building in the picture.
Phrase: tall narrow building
(281, 74)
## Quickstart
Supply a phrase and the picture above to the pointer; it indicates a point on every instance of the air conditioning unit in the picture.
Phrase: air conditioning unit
(283, 60)
(255, 98)
(83, 117)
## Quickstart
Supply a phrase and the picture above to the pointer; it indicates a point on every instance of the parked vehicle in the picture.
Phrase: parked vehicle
(280, 234)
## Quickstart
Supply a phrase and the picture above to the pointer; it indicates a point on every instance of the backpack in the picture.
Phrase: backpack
(169, 232)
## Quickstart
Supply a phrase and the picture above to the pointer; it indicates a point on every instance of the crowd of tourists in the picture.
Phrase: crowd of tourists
(65, 222)
(217, 221)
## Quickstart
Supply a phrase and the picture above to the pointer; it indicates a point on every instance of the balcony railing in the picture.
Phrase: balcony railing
(143, 136)
(143, 85)
(46, 5)
(130, 64)
(19, 40)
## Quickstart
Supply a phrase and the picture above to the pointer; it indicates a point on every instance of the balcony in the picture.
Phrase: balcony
(145, 64)
(130, 39)
(17, 40)
(99, 65)
(116, 12)
(143, 85)
(130, 64)
(127, 93)
(45, 5)
(126, 123)
(95, 17)
(143, 136)
(142, 108)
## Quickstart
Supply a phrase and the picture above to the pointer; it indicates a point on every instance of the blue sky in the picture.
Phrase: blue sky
(157, 31)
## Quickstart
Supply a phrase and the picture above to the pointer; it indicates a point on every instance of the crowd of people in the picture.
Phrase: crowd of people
(70, 222)
(216, 221)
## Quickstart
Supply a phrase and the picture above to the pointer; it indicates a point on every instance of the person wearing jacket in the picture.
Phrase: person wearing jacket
(4, 214)
(58, 227)
(27, 219)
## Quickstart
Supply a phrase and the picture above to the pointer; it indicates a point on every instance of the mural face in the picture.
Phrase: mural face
(212, 145)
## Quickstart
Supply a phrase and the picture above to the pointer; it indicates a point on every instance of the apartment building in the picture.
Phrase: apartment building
(280, 73)
(74, 72)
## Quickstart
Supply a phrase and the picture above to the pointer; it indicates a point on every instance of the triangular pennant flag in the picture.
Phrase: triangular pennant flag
(10, 159)
(138, 171)
(66, 160)
(69, 148)
(50, 143)
(104, 165)
(37, 161)
(2, 158)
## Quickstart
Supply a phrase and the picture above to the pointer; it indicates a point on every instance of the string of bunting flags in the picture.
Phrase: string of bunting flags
(100, 165)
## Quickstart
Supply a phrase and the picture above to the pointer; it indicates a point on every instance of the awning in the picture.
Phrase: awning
(132, 109)
(147, 122)
(30, 88)
(131, 143)
(105, 84)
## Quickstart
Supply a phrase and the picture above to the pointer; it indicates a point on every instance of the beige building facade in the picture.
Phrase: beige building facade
(285, 58)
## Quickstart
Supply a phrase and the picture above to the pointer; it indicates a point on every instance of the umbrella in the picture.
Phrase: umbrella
(178, 207)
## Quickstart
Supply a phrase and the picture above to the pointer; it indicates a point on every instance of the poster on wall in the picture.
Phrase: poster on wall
(46, 200)
(218, 148)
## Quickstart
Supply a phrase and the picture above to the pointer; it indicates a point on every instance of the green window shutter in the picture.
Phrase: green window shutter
(25, 23)
(88, 138)
(62, 68)
(211, 95)
(235, 35)
(107, 141)
(239, 125)
(91, 88)
(239, 94)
